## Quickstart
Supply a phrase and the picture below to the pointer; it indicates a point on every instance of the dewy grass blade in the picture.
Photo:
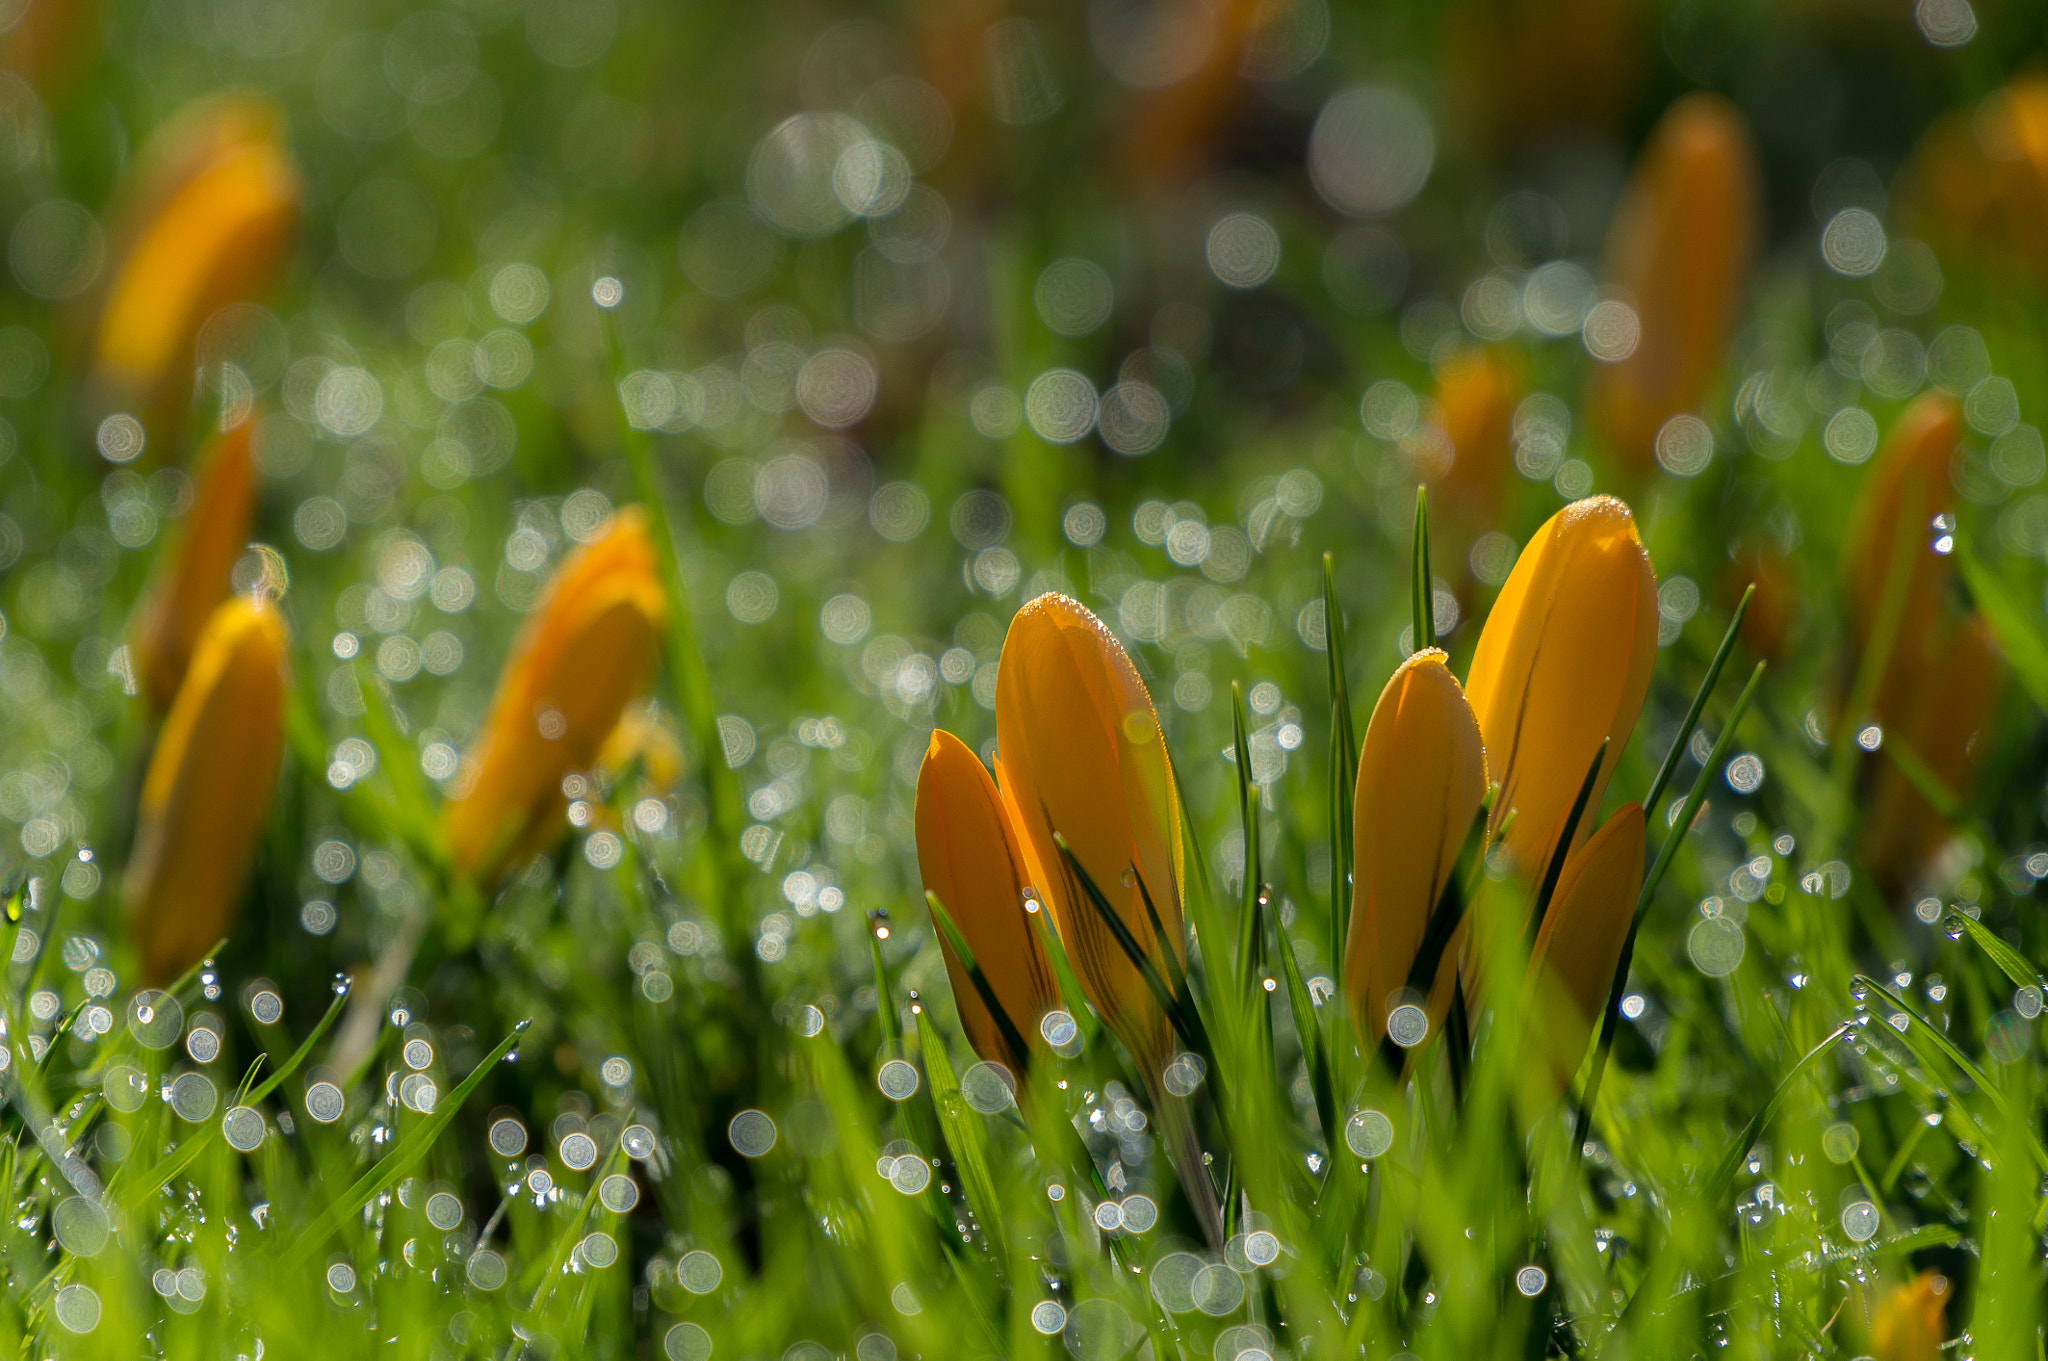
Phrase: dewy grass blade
(1011, 1035)
(1343, 764)
(964, 1132)
(1250, 935)
(400, 1159)
(1562, 851)
(1185, 1022)
(1315, 1052)
(1422, 603)
(1699, 704)
(2010, 962)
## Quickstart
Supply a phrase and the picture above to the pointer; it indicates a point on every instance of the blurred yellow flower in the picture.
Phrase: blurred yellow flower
(208, 790)
(206, 223)
(1978, 179)
(1476, 391)
(1910, 1321)
(1421, 780)
(1578, 947)
(581, 658)
(1677, 252)
(1083, 756)
(195, 577)
(972, 860)
(1563, 664)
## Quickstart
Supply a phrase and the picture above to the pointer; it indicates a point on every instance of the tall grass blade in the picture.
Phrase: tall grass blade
(1012, 1037)
(1699, 703)
(1421, 601)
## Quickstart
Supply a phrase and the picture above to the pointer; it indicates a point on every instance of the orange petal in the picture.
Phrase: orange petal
(971, 860)
(1421, 779)
(1563, 663)
(1085, 758)
(1911, 1321)
(1678, 250)
(582, 657)
(216, 531)
(208, 790)
(1579, 945)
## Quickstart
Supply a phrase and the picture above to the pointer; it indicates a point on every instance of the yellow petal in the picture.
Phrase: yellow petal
(1907, 485)
(1085, 757)
(1678, 250)
(1911, 1321)
(208, 225)
(1421, 779)
(208, 790)
(216, 530)
(971, 859)
(582, 657)
(1562, 664)
(1476, 391)
(1579, 945)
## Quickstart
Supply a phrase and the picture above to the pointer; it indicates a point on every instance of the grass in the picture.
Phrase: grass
(690, 1083)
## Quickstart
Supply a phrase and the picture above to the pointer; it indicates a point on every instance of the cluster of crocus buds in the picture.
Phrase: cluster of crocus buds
(1556, 683)
(1677, 254)
(207, 794)
(206, 222)
(582, 657)
(1938, 673)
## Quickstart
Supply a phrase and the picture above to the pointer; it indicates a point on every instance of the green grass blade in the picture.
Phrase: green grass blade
(2012, 623)
(1699, 703)
(1421, 601)
(2010, 962)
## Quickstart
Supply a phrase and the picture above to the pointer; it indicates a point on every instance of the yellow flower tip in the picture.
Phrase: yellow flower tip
(1579, 945)
(1563, 664)
(207, 793)
(1678, 251)
(973, 862)
(1911, 1320)
(1084, 757)
(216, 531)
(1421, 780)
(206, 223)
(583, 655)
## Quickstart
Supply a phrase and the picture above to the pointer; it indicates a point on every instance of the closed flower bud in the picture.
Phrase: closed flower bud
(974, 864)
(1083, 757)
(1421, 780)
(1911, 1319)
(1476, 391)
(1677, 254)
(215, 532)
(1578, 947)
(1562, 665)
(1906, 488)
(207, 223)
(208, 790)
(582, 657)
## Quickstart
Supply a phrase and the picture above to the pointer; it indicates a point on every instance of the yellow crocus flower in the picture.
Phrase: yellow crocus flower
(1421, 780)
(1677, 253)
(581, 658)
(1910, 1322)
(1562, 665)
(208, 790)
(1083, 756)
(972, 860)
(1578, 947)
(207, 224)
(216, 531)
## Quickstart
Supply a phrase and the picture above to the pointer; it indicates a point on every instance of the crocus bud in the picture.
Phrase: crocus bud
(1084, 757)
(216, 530)
(1421, 779)
(1562, 665)
(1911, 1319)
(207, 223)
(1677, 252)
(974, 864)
(581, 658)
(1476, 391)
(1578, 947)
(208, 790)
(1905, 489)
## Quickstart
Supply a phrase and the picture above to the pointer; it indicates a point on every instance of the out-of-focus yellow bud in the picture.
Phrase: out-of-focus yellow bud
(1911, 1319)
(1421, 779)
(1956, 689)
(1769, 626)
(207, 223)
(208, 790)
(1083, 756)
(1578, 947)
(1979, 180)
(1678, 250)
(215, 533)
(973, 862)
(1563, 664)
(582, 657)
(647, 735)
(1476, 391)
(1907, 486)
